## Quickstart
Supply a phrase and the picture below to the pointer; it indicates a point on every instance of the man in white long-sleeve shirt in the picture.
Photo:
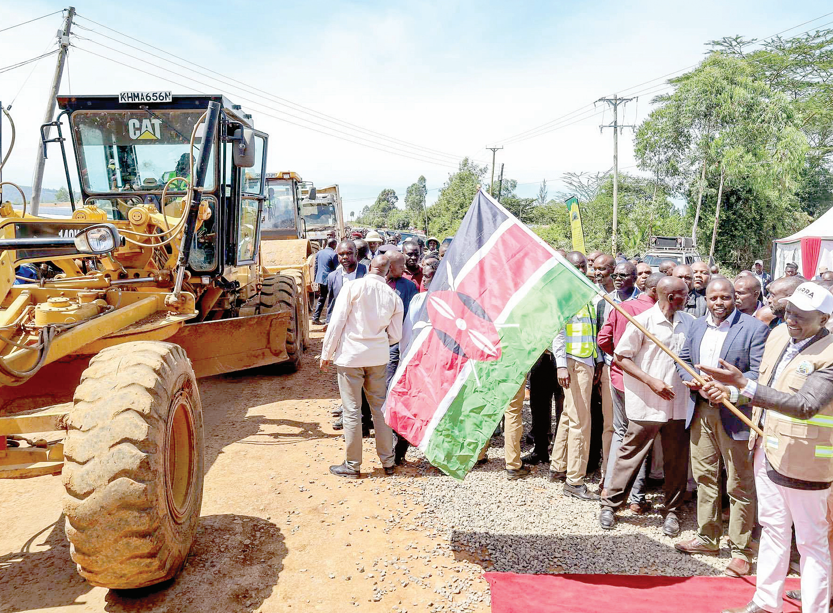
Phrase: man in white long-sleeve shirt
(366, 321)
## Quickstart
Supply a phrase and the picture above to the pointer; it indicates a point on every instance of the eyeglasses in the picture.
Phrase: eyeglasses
(620, 276)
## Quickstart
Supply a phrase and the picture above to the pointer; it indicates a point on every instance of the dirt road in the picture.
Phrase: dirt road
(278, 532)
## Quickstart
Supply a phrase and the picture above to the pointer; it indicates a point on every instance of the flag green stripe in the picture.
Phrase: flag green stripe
(473, 415)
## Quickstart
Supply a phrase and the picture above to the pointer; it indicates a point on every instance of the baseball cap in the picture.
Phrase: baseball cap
(812, 297)
(373, 236)
(761, 262)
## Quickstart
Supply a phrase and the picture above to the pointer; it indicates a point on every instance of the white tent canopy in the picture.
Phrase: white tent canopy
(789, 249)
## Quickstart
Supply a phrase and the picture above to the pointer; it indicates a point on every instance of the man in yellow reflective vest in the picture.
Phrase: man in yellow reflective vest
(794, 461)
(576, 359)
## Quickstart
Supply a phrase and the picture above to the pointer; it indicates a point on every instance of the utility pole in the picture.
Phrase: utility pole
(617, 128)
(500, 183)
(494, 151)
(37, 180)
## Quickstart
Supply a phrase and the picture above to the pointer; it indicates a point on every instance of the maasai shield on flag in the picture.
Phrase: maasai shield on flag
(495, 304)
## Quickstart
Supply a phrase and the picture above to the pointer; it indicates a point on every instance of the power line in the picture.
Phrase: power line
(255, 103)
(534, 132)
(25, 62)
(394, 152)
(252, 89)
(23, 23)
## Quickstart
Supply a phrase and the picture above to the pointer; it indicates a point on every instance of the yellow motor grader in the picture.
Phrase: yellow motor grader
(154, 281)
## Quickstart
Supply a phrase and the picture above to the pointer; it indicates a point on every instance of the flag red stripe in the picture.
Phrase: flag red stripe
(432, 371)
(503, 270)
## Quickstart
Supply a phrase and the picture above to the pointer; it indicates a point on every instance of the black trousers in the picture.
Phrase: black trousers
(322, 299)
(543, 387)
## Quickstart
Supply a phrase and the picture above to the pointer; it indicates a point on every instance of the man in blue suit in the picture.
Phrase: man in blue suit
(325, 263)
(716, 434)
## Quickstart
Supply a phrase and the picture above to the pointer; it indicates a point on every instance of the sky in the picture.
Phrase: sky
(371, 95)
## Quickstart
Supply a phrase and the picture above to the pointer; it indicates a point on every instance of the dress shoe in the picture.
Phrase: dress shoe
(389, 470)
(317, 322)
(579, 491)
(607, 519)
(337, 411)
(640, 508)
(737, 568)
(793, 594)
(671, 526)
(342, 470)
(556, 476)
(366, 433)
(338, 424)
(749, 608)
(696, 545)
(519, 473)
(534, 458)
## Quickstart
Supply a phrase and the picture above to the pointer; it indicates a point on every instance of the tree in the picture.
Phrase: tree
(801, 67)
(542, 194)
(376, 214)
(415, 201)
(62, 195)
(455, 197)
(723, 126)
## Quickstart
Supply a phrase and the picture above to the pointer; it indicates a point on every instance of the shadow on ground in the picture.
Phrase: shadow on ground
(624, 554)
(234, 565)
(230, 405)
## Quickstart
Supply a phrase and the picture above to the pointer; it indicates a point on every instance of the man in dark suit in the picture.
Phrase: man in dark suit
(348, 269)
(723, 334)
(325, 263)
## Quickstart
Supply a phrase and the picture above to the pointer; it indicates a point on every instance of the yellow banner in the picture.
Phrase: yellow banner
(575, 224)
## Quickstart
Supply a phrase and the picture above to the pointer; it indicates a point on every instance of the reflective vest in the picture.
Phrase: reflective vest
(798, 448)
(581, 333)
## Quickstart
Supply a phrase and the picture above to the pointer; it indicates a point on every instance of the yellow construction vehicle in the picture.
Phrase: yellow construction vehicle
(285, 246)
(156, 280)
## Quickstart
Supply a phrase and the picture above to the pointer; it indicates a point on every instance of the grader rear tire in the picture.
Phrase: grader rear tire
(133, 471)
(280, 294)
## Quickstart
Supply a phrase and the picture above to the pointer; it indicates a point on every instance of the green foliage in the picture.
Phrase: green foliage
(725, 115)
(62, 195)
(445, 215)
(376, 215)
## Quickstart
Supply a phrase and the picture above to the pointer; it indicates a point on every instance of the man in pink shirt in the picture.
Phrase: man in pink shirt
(609, 336)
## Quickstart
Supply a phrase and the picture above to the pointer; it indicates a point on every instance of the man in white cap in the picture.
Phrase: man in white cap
(763, 277)
(794, 461)
(374, 241)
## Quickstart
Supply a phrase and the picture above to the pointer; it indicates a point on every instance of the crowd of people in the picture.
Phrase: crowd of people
(615, 393)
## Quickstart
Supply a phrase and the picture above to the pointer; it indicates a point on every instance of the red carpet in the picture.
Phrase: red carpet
(512, 593)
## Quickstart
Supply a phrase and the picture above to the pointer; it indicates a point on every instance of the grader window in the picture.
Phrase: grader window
(135, 150)
(279, 207)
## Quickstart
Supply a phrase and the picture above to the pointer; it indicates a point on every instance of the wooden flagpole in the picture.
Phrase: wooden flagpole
(677, 359)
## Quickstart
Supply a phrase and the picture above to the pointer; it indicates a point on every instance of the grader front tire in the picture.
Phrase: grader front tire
(133, 472)
(279, 294)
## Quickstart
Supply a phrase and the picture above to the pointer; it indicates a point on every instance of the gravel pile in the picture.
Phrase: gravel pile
(529, 526)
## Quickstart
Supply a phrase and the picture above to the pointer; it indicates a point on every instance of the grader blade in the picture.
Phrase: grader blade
(227, 345)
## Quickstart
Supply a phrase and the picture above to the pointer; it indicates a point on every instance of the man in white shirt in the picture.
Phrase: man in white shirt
(366, 321)
(656, 401)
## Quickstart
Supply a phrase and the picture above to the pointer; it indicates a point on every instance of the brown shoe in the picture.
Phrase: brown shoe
(695, 545)
(749, 608)
(640, 508)
(738, 567)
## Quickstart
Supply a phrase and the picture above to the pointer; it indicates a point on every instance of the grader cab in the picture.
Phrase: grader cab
(156, 280)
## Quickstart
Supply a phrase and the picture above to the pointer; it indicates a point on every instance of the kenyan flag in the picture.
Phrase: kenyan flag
(497, 301)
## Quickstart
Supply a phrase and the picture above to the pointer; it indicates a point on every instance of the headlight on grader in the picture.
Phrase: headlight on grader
(98, 239)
